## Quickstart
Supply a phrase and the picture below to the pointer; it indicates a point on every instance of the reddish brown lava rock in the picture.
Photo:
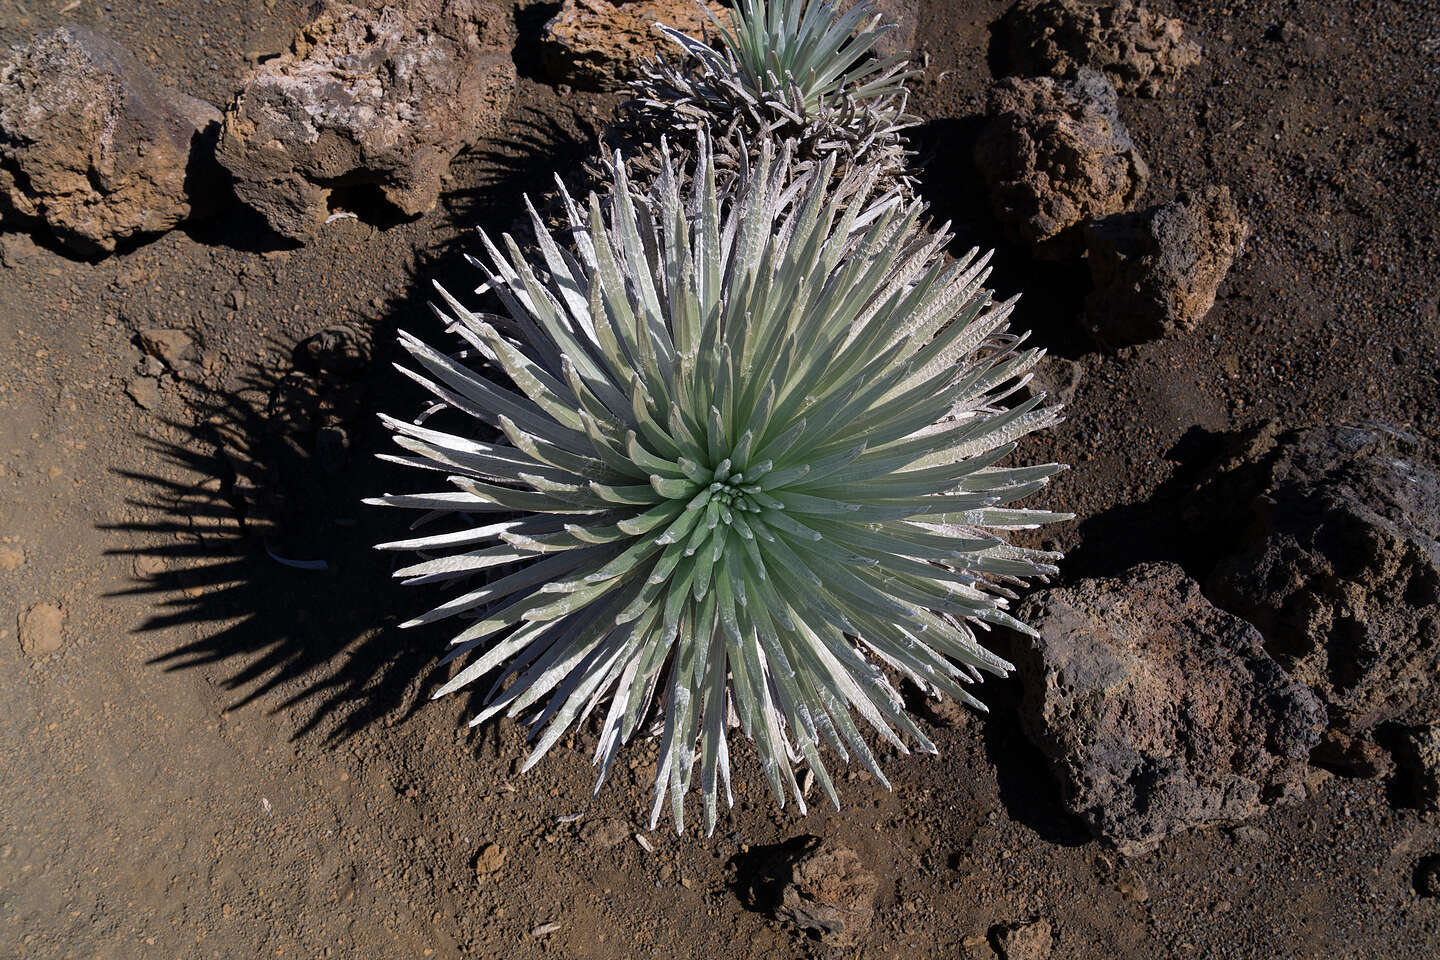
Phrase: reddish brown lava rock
(1159, 712)
(1156, 271)
(1055, 155)
(598, 45)
(92, 143)
(382, 97)
(830, 894)
(1140, 51)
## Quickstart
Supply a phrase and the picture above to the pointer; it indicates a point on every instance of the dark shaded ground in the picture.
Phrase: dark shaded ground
(235, 758)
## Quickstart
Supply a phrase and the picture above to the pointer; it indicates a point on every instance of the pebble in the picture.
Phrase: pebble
(11, 557)
(605, 833)
(1026, 941)
(489, 860)
(166, 345)
(41, 630)
(144, 391)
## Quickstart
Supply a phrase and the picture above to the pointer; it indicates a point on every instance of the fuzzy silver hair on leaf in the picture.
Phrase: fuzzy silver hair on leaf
(799, 70)
(733, 461)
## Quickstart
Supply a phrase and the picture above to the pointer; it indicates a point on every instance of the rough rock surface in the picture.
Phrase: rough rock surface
(1156, 271)
(1418, 755)
(1158, 711)
(42, 630)
(598, 45)
(383, 97)
(92, 143)
(1054, 155)
(1140, 51)
(1025, 941)
(830, 894)
(1340, 568)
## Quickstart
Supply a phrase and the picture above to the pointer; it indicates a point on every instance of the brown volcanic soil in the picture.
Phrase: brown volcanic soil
(234, 758)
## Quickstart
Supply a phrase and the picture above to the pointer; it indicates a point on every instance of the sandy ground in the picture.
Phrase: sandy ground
(233, 758)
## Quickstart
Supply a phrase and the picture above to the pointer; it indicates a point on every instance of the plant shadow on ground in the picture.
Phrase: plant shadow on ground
(280, 473)
(275, 470)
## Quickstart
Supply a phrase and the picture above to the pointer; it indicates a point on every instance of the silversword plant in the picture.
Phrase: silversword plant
(736, 461)
(799, 70)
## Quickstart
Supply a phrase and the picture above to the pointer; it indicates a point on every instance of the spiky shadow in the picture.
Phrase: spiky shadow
(274, 470)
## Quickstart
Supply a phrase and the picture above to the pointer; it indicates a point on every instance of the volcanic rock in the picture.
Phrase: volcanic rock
(1054, 155)
(92, 143)
(1025, 941)
(1158, 711)
(42, 630)
(1156, 271)
(598, 44)
(830, 894)
(1418, 755)
(1140, 51)
(382, 98)
(1340, 567)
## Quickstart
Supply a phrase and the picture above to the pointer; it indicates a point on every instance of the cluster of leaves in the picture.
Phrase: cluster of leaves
(729, 456)
(795, 70)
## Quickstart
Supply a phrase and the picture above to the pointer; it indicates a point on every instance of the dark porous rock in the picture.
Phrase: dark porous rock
(381, 98)
(1156, 271)
(599, 44)
(830, 894)
(1158, 711)
(1340, 567)
(1418, 755)
(1054, 155)
(1139, 50)
(92, 143)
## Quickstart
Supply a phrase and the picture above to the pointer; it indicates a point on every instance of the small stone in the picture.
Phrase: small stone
(1140, 51)
(12, 557)
(17, 250)
(172, 347)
(42, 630)
(1156, 272)
(598, 44)
(148, 566)
(830, 894)
(145, 391)
(1249, 834)
(1025, 941)
(1057, 378)
(489, 860)
(605, 833)
(1054, 155)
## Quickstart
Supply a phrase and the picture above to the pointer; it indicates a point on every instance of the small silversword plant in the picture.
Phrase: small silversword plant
(741, 466)
(801, 70)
